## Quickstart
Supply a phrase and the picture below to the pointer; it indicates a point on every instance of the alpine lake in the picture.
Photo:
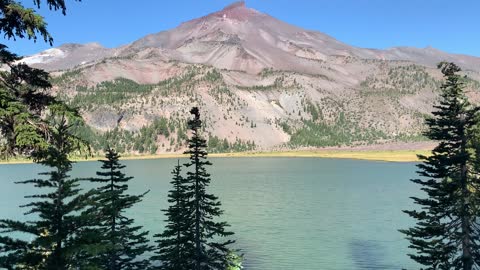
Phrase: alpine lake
(287, 213)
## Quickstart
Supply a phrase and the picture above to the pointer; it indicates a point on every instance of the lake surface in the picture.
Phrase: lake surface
(287, 213)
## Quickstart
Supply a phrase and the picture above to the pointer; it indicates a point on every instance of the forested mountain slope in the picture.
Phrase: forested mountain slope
(261, 83)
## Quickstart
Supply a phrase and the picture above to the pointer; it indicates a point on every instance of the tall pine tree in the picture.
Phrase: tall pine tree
(23, 90)
(173, 243)
(127, 243)
(203, 207)
(62, 231)
(446, 235)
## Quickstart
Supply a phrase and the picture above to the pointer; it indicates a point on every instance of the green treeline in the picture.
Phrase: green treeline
(142, 141)
(338, 134)
(400, 80)
(121, 90)
(109, 92)
(319, 133)
(146, 139)
(217, 145)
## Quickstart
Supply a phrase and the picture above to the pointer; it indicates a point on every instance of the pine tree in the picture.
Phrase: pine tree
(23, 95)
(127, 243)
(17, 21)
(173, 243)
(62, 232)
(446, 235)
(22, 101)
(207, 254)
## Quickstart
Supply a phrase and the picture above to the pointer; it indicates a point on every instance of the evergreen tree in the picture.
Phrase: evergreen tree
(23, 95)
(446, 235)
(22, 101)
(19, 21)
(203, 207)
(127, 243)
(62, 232)
(173, 243)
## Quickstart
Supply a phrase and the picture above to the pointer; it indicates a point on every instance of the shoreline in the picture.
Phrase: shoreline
(371, 155)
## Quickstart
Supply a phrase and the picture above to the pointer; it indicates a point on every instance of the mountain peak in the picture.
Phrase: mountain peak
(236, 11)
(238, 4)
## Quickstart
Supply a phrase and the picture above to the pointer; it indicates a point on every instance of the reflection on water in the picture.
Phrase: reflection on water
(368, 254)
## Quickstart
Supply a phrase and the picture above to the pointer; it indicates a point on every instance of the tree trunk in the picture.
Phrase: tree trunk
(57, 252)
(465, 219)
(179, 206)
(197, 211)
(113, 255)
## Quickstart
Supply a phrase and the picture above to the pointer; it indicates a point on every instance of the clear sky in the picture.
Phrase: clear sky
(451, 25)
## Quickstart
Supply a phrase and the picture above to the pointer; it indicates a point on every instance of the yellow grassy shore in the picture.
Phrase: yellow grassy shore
(95, 158)
(384, 155)
(377, 155)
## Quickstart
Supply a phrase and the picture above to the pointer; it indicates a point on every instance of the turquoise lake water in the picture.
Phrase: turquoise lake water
(287, 213)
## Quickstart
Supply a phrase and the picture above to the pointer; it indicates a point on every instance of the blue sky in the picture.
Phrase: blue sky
(451, 26)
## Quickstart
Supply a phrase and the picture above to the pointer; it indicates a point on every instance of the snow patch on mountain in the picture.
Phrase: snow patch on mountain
(44, 57)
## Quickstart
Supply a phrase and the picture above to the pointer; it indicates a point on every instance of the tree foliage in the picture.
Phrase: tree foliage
(208, 253)
(446, 235)
(62, 231)
(23, 90)
(19, 21)
(23, 98)
(173, 244)
(126, 243)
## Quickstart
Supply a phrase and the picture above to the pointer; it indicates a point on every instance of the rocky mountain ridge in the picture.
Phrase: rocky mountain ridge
(262, 84)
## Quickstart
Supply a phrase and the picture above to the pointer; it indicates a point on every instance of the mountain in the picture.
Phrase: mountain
(262, 84)
(68, 56)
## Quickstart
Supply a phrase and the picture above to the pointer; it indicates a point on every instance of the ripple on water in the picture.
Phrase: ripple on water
(287, 213)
